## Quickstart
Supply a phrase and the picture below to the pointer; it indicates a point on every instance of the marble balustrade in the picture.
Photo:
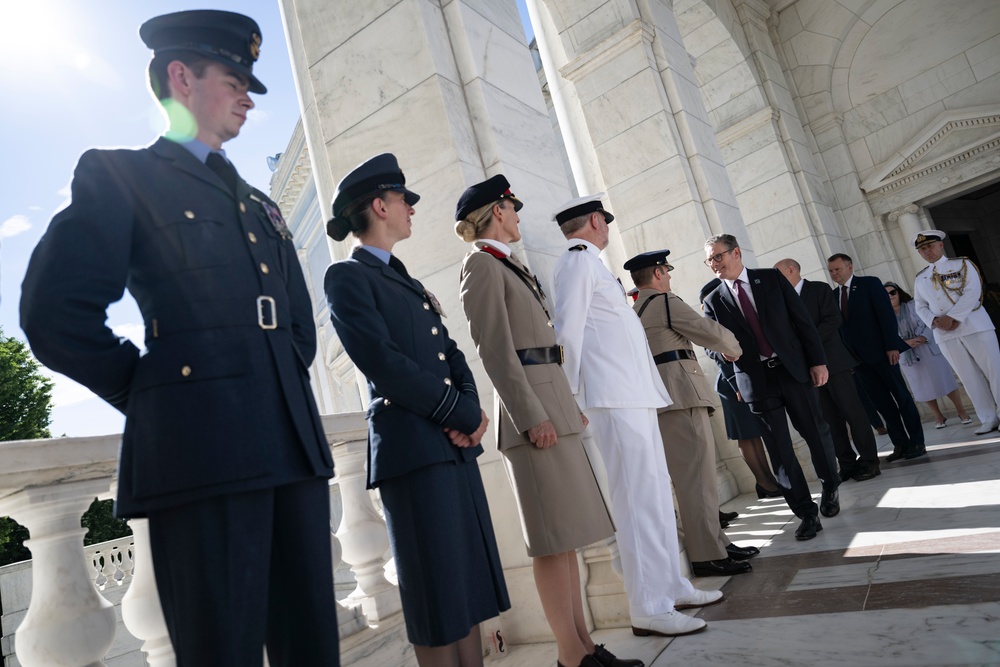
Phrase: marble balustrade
(46, 485)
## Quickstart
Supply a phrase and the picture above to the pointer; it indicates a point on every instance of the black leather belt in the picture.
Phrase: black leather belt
(773, 362)
(541, 355)
(673, 355)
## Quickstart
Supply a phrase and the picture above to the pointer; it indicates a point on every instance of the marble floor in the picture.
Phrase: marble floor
(907, 575)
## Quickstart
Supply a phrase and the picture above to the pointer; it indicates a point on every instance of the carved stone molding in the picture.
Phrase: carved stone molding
(634, 34)
(744, 127)
(911, 209)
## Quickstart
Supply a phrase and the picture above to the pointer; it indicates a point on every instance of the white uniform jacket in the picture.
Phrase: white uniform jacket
(608, 362)
(932, 301)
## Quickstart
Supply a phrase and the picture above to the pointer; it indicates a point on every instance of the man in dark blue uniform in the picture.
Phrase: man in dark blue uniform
(223, 447)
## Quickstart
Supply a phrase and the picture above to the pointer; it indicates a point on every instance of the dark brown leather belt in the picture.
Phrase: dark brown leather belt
(541, 355)
(673, 355)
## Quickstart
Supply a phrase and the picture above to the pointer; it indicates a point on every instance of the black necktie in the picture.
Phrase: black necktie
(750, 315)
(398, 266)
(843, 301)
(223, 169)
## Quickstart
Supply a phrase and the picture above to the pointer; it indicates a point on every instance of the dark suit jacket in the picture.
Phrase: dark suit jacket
(218, 403)
(871, 328)
(785, 322)
(418, 379)
(825, 314)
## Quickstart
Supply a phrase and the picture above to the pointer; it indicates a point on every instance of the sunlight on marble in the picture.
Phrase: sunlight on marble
(959, 494)
(921, 568)
(868, 539)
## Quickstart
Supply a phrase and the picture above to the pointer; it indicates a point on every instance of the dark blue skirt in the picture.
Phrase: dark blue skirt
(740, 422)
(447, 562)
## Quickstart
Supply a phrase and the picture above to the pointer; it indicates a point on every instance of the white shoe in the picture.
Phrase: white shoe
(669, 624)
(699, 598)
(986, 428)
(967, 420)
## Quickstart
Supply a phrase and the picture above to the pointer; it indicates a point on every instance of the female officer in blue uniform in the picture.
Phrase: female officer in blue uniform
(424, 419)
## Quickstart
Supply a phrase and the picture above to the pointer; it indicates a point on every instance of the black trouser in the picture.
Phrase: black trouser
(842, 407)
(787, 398)
(890, 395)
(238, 571)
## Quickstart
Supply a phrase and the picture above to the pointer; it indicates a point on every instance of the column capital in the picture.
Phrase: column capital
(755, 10)
(635, 33)
(907, 209)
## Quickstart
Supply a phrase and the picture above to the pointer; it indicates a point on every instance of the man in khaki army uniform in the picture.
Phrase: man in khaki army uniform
(671, 328)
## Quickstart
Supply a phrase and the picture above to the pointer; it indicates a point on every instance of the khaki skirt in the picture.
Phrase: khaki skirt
(558, 499)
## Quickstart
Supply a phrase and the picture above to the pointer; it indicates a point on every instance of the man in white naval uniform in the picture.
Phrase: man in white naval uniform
(612, 373)
(949, 298)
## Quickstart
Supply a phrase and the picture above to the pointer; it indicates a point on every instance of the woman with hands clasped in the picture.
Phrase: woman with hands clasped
(928, 373)
(538, 422)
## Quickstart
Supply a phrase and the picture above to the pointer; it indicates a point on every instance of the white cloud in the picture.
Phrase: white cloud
(257, 117)
(14, 225)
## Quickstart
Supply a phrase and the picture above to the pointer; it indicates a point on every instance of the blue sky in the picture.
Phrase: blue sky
(74, 78)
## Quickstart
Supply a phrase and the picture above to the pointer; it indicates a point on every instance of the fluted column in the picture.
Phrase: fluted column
(362, 535)
(68, 622)
(141, 610)
(909, 226)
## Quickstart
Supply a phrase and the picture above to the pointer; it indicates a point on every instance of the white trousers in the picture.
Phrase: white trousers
(642, 507)
(976, 359)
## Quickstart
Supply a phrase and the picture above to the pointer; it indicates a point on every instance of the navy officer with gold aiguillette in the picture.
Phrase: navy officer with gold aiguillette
(223, 448)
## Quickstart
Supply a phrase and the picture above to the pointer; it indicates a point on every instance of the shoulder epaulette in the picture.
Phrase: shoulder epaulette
(923, 269)
(578, 247)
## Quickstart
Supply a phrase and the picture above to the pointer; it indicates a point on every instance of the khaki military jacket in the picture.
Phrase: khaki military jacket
(504, 316)
(683, 378)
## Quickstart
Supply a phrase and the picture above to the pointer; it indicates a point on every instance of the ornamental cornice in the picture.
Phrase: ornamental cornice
(634, 34)
(744, 127)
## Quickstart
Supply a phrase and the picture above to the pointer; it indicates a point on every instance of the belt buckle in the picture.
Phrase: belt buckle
(562, 355)
(261, 316)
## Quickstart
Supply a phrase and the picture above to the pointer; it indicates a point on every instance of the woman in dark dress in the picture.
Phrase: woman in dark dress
(425, 423)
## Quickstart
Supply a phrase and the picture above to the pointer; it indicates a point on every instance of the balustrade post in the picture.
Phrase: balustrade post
(363, 536)
(349, 619)
(141, 610)
(68, 622)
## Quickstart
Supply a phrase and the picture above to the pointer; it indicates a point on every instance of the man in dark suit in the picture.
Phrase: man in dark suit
(871, 333)
(782, 363)
(223, 448)
(839, 396)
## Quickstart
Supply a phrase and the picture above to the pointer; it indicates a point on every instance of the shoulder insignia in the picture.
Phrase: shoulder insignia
(577, 248)
(923, 269)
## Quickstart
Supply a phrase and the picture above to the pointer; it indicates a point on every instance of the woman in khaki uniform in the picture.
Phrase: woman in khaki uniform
(671, 328)
(538, 421)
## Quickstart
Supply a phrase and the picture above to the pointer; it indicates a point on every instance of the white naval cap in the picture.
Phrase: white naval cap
(581, 206)
(927, 237)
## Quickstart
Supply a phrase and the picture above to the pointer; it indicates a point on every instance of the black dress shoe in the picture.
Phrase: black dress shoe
(764, 493)
(808, 528)
(609, 659)
(897, 453)
(829, 504)
(848, 473)
(727, 516)
(741, 553)
(866, 472)
(720, 568)
(915, 452)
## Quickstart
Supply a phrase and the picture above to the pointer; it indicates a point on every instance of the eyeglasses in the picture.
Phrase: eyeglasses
(892, 292)
(716, 258)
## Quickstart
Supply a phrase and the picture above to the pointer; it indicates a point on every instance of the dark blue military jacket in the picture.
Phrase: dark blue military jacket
(418, 379)
(220, 402)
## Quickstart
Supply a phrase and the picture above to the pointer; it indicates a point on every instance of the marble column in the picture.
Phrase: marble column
(635, 87)
(141, 610)
(907, 217)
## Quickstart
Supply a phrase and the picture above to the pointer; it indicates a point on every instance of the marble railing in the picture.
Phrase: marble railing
(46, 485)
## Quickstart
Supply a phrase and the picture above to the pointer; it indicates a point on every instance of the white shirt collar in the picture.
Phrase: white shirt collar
(744, 276)
(798, 286)
(505, 249)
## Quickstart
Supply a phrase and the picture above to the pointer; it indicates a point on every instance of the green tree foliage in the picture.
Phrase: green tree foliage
(101, 523)
(25, 394)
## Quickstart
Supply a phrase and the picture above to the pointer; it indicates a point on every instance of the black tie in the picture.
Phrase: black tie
(398, 265)
(843, 301)
(223, 169)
